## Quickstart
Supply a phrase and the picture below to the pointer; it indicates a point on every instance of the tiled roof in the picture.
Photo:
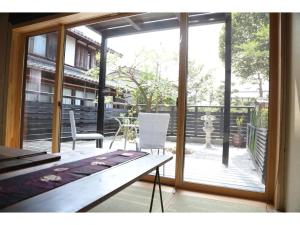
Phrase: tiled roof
(39, 63)
(81, 34)
(92, 40)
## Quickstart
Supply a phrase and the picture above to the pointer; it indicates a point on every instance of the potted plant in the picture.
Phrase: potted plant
(238, 138)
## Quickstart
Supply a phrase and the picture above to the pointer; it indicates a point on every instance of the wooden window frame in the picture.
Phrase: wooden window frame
(89, 51)
(61, 22)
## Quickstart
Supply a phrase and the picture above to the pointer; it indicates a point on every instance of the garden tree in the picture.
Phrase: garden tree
(250, 47)
(112, 60)
(202, 88)
(143, 78)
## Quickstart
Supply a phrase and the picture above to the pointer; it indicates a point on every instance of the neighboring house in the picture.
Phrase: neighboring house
(80, 56)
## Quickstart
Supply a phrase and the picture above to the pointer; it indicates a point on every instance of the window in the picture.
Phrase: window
(81, 57)
(46, 94)
(79, 95)
(85, 57)
(43, 45)
(90, 99)
(51, 45)
(37, 45)
(67, 92)
(33, 83)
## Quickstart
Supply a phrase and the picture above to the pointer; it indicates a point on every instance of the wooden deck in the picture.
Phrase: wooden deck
(202, 165)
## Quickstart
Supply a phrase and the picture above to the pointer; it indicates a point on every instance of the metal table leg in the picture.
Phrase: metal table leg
(157, 179)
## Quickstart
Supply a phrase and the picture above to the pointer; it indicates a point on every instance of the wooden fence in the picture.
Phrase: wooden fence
(194, 124)
(257, 143)
(38, 121)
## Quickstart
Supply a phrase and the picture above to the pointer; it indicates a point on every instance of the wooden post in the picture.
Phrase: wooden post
(181, 109)
(172, 120)
(57, 104)
(227, 93)
(4, 59)
(221, 125)
(196, 121)
(101, 87)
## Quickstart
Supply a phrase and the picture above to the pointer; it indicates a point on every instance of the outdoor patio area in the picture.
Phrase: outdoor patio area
(202, 165)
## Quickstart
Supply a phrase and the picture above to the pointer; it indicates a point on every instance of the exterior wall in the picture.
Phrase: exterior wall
(293, 118)
(70, 50)
(4, 40)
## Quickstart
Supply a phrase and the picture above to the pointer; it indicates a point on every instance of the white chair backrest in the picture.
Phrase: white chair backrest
(73, 124)
(153, 129)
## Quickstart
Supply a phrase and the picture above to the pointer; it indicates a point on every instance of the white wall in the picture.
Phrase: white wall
(70, 50)
(293, 130)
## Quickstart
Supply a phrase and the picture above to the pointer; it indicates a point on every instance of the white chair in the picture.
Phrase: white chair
(76, 136)
(153, 129)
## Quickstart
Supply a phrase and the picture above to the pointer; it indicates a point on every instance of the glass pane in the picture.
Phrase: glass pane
(204, 149)
(249, 99)
(80, 85)
(143, 78)
(39, 90)
(39, 45)
(205, 101)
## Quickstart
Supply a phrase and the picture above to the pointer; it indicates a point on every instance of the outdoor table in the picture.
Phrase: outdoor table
(127, 124)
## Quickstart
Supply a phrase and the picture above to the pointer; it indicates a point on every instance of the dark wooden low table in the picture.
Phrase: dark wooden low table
(87, 192)
(14, 159)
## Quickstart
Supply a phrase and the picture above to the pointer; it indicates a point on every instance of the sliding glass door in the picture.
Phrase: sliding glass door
(218, 110)
(142, 77)
(204, 101)
(227, 101)
(39, 91)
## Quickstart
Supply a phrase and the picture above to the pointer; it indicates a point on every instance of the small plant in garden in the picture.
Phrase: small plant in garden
(238, 138)
(239, 121)
(129, 119)
(259, 118)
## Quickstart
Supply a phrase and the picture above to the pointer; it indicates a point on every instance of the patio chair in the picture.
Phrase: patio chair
(86, 136)
(153, 129)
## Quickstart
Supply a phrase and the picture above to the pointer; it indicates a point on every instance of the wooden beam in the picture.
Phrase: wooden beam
(171, 23)
(181, 107)
(225, 191)
(133, 24)
(57, 103)
(278, 105)
(227, 94)
(101, 88)
(4, 59)
(14, 91)
(56, 20)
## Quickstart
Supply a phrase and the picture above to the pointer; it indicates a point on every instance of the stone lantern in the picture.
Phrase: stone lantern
(208, 128)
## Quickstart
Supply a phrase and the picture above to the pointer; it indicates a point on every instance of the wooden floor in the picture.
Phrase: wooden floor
(202, 165)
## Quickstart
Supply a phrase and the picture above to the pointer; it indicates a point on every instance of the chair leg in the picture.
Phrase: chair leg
(73, 148)
(113, 140)
(125, 133)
